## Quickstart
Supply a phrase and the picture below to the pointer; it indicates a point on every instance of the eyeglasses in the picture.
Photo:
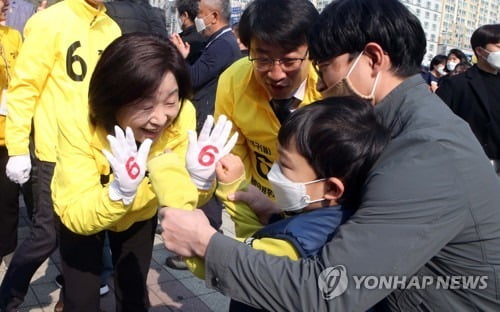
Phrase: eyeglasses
(264, 64)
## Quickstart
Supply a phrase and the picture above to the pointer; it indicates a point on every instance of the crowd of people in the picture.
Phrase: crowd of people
(335, 156)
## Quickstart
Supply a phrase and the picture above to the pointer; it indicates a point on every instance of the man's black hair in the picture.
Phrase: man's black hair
(189, 6)
(339, 137)
(484, 35)
(283, 22)
(346, 26)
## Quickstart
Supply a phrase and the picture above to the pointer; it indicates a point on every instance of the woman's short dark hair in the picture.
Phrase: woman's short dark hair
(484, 35)
(346, 26)
(131, 68)
(436, 60)
(283, 22)
(339, 137)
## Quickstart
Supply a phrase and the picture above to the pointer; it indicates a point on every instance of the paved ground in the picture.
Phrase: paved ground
(169, 290)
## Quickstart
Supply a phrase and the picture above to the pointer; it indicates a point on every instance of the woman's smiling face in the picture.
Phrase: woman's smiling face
(149, 117)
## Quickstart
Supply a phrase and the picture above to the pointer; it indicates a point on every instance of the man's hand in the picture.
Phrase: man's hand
(181, 45)
(18, 168)
(229, 169)
(257, 201)
(204, 153)
(186, 233)
(128, 164)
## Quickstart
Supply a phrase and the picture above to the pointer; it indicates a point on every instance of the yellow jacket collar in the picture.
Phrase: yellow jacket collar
(84, 9)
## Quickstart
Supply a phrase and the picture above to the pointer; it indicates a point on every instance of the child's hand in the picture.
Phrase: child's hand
(229, 168)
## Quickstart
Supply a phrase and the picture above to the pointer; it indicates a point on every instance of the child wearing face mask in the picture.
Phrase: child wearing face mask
(325, 152)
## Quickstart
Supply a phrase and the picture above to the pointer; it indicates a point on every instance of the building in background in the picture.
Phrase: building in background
(429, 14)
(461, 18)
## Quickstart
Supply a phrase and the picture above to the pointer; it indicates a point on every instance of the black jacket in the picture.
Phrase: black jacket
(137, 16)
(196, 43)
(467, 97)
(220, 51)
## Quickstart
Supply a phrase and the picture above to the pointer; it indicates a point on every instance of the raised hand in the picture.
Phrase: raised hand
(205, 151)
(128, 164)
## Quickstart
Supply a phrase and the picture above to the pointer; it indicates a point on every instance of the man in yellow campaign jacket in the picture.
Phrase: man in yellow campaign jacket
(10, 42)
(62, 45)
(259, 92)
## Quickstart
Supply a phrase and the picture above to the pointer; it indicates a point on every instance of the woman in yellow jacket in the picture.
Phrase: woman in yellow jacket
(138, 109)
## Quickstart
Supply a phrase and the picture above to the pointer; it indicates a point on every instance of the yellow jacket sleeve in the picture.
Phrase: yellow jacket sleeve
(80, 200)
(171, 182)
(245, 221)
(27, 83)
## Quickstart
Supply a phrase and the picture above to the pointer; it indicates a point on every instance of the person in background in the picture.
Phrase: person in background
(10, 43)
(436, 71)
(220, 51)
(187, 11)
(49, 83)
(243, 48)
(19, 12)
(475, 94)
(429, 208)
(148, 112)
(137, 16)
(454, 57)
(461, 67)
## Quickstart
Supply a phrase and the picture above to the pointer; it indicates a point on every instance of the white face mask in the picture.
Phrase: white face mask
(290, 196)
(199, 23)
(451, 65)
(493, 59)
(440, 70)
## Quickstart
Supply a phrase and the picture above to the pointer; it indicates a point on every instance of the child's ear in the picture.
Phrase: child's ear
(334, 189)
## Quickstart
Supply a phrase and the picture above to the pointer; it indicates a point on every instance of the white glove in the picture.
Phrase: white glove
(128, 164)
(204, 153)
(18, 168)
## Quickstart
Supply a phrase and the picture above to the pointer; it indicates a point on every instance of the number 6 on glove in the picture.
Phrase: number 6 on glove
(206, 150)
(128, 164)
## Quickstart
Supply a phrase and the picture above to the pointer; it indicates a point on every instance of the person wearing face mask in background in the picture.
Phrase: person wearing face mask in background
(187, 11)
(475, 94)
(220, 51)
(436, 71)
(325, 152)
(454, 57)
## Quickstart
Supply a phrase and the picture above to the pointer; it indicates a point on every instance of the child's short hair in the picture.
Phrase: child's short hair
(339, 137)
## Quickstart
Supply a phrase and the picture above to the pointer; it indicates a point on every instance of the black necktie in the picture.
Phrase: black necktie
(282, 107)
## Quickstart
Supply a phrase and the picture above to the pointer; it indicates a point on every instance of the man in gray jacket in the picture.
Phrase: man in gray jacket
(427, 234)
